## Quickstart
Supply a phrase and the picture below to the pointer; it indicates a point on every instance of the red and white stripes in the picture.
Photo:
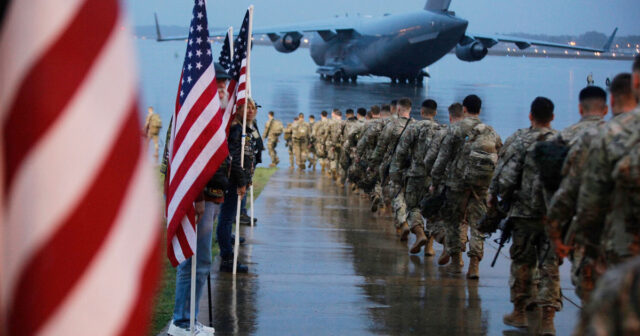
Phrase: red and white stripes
(80, 211)
(198, 146)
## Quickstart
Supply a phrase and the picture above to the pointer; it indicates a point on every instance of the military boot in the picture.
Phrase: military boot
(428, 249)
(404, 236)
(472, 272)
(375, 204)
(456, 264)
(444, 257)
(546, 324)
(421, 239)
(301, 167)
(518, 317)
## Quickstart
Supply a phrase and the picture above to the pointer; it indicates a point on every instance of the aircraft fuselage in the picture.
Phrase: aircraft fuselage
(393, 46)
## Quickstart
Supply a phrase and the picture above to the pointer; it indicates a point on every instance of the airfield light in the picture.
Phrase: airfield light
(628, 45)
(508, 49)
(617, 46)
(572, 43)
(306, 40)
(544, 51)
(566, 52)
(536, 51)
(577, 53)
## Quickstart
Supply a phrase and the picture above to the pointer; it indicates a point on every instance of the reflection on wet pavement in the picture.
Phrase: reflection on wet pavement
(321, 264)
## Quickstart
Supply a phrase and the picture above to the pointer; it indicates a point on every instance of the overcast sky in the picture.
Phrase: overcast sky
(485, 16)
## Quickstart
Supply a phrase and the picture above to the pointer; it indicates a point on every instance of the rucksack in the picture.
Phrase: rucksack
(549, 157)
(483, 156)
(301, 131)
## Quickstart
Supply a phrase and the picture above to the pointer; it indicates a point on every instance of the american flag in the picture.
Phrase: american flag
(198, 142)
(78, 207)
(237, 87)
(225, 54)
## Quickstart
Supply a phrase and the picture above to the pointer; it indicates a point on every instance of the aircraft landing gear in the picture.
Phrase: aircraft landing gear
(420, 80)
(354, 78)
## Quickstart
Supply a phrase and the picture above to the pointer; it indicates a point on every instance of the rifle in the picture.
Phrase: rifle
(506, 226)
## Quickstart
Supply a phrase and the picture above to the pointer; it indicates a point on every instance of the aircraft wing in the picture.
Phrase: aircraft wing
(326, 28)
(524, 43)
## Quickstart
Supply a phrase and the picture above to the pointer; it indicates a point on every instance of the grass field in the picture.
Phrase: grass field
(163, 302)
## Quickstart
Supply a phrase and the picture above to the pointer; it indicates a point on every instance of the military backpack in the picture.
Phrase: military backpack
(483, 156)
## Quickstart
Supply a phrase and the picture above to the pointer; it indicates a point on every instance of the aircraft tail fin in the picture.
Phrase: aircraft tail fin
(437, 5)
(158, 33)
(607, 46)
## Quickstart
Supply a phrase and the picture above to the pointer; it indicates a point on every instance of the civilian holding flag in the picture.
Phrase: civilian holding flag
(196, 173)
(242, 159)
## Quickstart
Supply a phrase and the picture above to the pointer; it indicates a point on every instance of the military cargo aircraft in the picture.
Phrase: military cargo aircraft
(397, 46)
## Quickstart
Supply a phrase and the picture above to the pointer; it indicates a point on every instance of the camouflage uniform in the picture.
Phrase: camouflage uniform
(300, 136)
(385, 148)
(320, 136)
(517, 181)
(407, 166)
(344, 161)
(311, 150)
(613, 308)
(435, 225)
(562, 206)
(364, 149)
(273, 129)
(607, 212)
(353, 136)
(288, 133)
(465, 194)
(381, 158)
(335, 144)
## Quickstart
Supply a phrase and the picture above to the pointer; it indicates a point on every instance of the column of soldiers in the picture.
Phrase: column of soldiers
(572, 193)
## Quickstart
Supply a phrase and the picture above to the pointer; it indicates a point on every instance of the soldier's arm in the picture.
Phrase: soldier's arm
(434, 147)
(562, 207)
(445, 155)
(403, 152)
(381, 146)
(595, 193)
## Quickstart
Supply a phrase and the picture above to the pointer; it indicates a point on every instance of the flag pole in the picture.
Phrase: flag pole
(252, 205)
(249, 43)
(244, 139)
(192, 308)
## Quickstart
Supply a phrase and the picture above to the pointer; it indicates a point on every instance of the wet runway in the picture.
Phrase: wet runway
(322, 264)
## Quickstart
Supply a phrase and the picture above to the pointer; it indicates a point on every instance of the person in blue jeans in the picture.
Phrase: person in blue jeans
(180, 324)
(239, 180)
(207, 209)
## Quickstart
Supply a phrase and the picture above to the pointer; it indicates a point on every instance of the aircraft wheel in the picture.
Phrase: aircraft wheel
(354, 78)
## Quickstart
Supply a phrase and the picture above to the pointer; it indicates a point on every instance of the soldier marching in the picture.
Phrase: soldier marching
(573, 193)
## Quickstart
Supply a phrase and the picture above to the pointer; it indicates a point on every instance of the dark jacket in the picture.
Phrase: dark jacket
(241, 175)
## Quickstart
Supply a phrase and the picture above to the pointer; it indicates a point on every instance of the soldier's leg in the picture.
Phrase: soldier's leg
(523, 260)
(291, 156)
(454, 218)
(296, 152)
(549, 294)
(414, 193)
(304, 151)
(475, 210)
(399, 207)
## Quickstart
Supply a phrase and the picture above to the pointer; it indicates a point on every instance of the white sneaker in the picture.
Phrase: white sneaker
(200, 326)
(200, 330)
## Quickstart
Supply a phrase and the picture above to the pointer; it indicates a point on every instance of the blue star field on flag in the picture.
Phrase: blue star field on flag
(225, 54)
(240, 49)
(198, 56)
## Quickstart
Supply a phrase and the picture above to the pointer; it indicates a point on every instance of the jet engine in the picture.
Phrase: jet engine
(289, 42)
(471, 52)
